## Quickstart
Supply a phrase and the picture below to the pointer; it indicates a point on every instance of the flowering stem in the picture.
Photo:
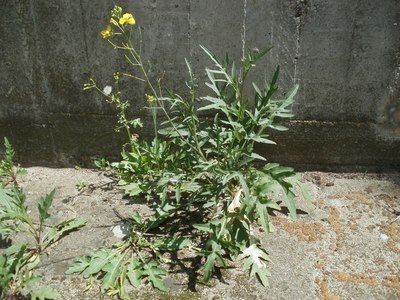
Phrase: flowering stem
(138, 60)
(122, 117)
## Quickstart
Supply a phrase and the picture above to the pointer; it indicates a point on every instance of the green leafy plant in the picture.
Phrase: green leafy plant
(136, 259)
(8, 171)
(195, 166)
(18, 262)
(81, 185)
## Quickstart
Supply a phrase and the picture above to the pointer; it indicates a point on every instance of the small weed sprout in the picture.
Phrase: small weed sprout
(8, 171)
(194, 167)
(81, 185)
(18, 278)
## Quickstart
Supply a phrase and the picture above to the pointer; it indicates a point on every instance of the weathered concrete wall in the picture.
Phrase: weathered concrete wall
(344, 54)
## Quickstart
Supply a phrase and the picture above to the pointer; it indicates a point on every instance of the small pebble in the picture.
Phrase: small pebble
(121, 230)
(384, 237)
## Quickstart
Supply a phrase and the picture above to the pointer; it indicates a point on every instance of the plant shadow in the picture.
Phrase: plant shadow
(185, 262)
(180, 224)
(190, 267)
(5, 242)
(285, 211)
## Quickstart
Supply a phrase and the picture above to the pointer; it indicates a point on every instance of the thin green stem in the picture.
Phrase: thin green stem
(122, 118)
(241, 84)
(153, 90)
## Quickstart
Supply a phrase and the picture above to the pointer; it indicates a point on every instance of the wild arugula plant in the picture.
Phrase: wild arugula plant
(195, 166)
(18, 262)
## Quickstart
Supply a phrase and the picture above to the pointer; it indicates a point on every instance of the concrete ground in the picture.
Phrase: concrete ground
(345, 247)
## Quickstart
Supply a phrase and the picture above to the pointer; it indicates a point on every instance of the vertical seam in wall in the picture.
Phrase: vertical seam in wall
(272, 28)
(385, 112)
(53, 145)
(84, 33)
(353, 32)
(244, 28)
(37, 56)
(189, 34)
(42, 81)
(34, 55)
(296, 58)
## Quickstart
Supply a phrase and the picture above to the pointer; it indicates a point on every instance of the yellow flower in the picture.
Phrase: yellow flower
(106, 33)
(149, 98)
(112, 21)
(127, 19)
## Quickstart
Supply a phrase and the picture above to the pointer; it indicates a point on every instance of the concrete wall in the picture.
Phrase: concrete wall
(344, 54)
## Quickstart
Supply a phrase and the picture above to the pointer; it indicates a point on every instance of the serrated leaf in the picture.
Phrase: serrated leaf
(98, 260)
(255, 259)
(79, 265)
(257, 255)
(44, 205)
(132, 189)
(295, 180)
(273, 205)
(44, 293)
(261, 273)
(62, 229)
(8, 201)
(34, 278)
(135, 277)
(268, 186)
(305, 191)
(154, 273)
(15, 248)
(171, 243)
(288, 198)
(190, 186)
(21, 171)
(112, 270)
(161, 214)
(134, 273)
(209, 266)
(17, 259)
(212, 259)
(6, 230)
